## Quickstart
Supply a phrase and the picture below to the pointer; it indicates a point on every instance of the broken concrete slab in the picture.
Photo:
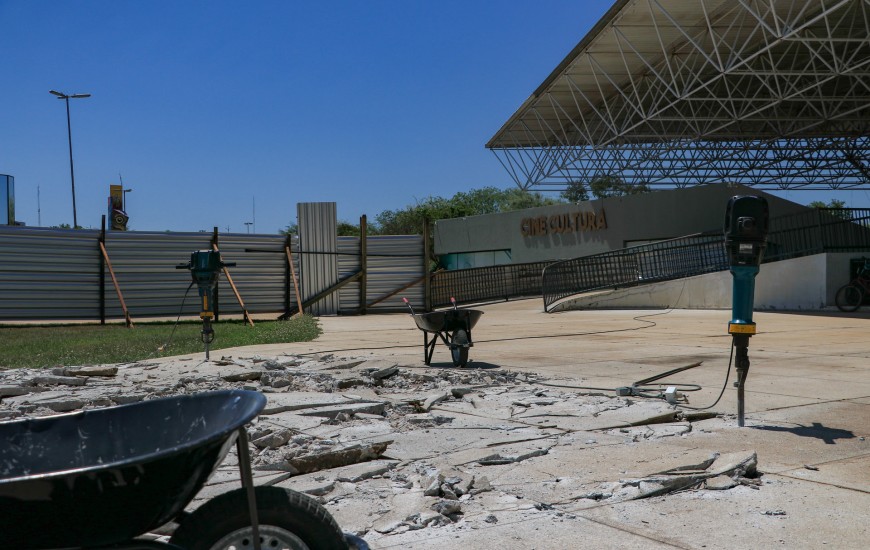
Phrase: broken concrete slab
(385, 372)
(273, 440)
(244, 376)
(13, 391)
(431, 400)
(104, 371)
(328, 459)
(734, 465)
(291, 420)
(404, 509)
(349, 409)
(294, 401)
(58, 381)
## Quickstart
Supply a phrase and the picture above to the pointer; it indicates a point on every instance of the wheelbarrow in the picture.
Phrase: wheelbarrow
(102, 477)
(452, 326)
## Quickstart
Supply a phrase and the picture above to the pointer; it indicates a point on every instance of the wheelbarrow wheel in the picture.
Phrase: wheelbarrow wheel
(287, 519)
(459, 348)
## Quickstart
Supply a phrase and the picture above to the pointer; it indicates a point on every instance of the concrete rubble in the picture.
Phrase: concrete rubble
(392, 448)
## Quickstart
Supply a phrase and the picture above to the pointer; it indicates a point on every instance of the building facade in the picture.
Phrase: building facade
(572, 230)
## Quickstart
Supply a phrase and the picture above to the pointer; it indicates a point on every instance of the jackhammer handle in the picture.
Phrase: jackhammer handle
(228, 264)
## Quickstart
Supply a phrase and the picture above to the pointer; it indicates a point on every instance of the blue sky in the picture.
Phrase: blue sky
(205, 108)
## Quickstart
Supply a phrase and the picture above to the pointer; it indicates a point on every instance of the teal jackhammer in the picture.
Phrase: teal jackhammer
(205, 268)
(746, 227)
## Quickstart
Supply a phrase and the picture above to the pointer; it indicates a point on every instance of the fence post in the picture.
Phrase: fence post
(427, 277)
(215, 297)
(102, 240)
(363, 263)
(287, 282)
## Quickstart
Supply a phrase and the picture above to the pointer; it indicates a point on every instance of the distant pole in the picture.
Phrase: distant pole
(123, 193)
(249, 226)
(254, 212)
(38, 208)
(72, 176)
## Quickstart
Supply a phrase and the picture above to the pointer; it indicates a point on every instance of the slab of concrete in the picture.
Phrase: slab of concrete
(807, 395)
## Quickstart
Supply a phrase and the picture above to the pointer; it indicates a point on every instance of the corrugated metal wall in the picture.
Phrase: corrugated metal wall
(317, 223)
(144, 264)
(49, 274)
(393, 262)
(54, 274)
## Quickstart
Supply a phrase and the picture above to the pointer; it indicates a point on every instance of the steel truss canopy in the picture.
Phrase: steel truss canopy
(773, 94)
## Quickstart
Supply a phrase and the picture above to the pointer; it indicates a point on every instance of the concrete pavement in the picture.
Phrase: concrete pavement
(807, 412)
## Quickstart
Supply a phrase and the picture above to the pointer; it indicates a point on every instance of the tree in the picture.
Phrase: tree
(575, 192)
(610, 185)
(347, 229)
(833, 204)
(838, 207)
(475, 202)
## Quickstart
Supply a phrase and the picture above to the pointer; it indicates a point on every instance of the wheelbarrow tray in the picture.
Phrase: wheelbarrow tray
(448, 320)
(107, 475)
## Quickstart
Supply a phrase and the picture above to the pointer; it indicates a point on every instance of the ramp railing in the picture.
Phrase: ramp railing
(649, 263)
(791, 236)
(483, 284)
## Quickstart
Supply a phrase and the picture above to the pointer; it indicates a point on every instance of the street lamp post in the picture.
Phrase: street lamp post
(72, 177)
(124, 198)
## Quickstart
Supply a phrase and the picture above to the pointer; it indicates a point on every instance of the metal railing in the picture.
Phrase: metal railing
(791, 236)
(481, 284)
(649, 263)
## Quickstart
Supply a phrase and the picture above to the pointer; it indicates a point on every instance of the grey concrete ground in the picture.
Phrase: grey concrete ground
(515, 452)
(807, 406)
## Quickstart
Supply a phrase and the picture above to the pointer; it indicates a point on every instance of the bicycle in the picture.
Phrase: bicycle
(851, 295)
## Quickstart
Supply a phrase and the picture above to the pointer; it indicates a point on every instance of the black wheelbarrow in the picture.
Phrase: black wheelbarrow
(102, 477)
(453, 326)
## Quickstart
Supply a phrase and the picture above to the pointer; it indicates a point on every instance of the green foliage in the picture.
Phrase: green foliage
(833, 204)
(347, 229)
(291, 229)
(25, 346)
(409, 220)
(344, 229)
(575, 192)
(487, 200)
(610, 185)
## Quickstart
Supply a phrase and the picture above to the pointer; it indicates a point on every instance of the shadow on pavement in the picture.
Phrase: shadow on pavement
(472, 365)
(818, 431)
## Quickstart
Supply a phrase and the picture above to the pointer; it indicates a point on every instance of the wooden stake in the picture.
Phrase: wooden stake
(235, 291)
(295, 282)
(127, 317)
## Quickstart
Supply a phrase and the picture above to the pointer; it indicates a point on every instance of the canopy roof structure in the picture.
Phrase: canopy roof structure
(773, 94)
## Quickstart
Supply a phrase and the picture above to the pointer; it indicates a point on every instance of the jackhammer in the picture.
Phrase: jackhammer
(746, 228)
(205, 267)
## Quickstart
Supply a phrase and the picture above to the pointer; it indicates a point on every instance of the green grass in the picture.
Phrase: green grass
(52, 345)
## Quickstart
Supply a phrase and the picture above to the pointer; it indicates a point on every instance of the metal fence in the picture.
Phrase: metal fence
(661, 261)
(791, 236)
(57, 274)
(482, 284)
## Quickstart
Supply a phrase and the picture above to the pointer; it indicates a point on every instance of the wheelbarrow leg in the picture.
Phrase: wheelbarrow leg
(248, 483)
(428, 347)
